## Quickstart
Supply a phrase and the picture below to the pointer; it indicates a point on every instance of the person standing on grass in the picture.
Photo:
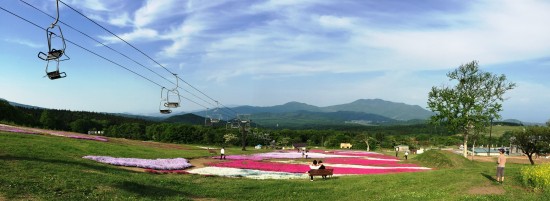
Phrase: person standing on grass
(396, 151)
(406, 154)
(222, 152)
(501, 161)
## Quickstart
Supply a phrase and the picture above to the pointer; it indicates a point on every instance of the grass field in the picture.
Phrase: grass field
(38, 167)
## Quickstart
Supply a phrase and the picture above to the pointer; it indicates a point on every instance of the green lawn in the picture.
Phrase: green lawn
(35, 167)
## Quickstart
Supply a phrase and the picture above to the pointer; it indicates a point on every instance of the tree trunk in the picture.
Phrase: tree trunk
(473, 150)
(465, 151)
(530, 156)
(368, 147)
(243, 138)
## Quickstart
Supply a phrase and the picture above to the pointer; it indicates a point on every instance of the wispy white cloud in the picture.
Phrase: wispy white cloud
(137, 34)
(153, 11)
(24, 42)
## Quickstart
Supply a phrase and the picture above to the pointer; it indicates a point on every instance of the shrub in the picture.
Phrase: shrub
(537, 177)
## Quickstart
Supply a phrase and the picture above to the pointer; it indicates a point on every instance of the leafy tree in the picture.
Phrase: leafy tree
(533, 140)
(469, 105)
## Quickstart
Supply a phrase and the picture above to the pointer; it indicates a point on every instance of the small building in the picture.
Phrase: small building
(401, 148)
(483, 151)
(345, 145)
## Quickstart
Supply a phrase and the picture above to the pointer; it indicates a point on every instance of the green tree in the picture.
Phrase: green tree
(532, 140)
(469, 105)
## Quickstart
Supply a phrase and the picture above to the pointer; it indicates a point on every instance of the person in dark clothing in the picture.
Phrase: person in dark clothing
(322, 167)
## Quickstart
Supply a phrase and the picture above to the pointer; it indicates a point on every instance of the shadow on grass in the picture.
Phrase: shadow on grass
(64, 162)
(489, 177)
(149, 191)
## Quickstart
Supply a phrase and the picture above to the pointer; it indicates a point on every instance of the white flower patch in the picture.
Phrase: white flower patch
(373, 167)
(246, 173)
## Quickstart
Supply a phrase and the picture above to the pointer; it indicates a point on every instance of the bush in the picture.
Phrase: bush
(537, 177)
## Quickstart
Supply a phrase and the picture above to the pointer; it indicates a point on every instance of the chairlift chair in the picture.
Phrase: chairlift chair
(54, 54)
(171, 97)
(162, 105)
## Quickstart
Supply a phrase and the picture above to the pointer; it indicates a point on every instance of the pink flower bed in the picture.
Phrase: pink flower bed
(15, 129)
(368, 162)
(299, 168)
(287, 155)
(25, 130)
(372, 171)
(266, 166)
(158, 164)
(91, 137)
(356, 153)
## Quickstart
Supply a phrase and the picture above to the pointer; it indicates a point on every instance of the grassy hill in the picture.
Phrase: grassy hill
(37, 167)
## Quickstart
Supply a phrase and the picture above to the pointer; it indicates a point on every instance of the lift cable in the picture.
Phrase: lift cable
(109, 47)
(98, 55)
(135, 48)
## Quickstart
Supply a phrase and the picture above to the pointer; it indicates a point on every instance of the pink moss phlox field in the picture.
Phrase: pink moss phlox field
(341, 170)
(266, 166)
(158, 164)
(286, 155)
(15, 129)
(96, 138)
(367, 162)
(355, 153)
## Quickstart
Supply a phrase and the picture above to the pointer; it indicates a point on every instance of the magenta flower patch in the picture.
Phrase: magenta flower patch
(266, 166)
(13, 129)
(368, 162)
(91, 137)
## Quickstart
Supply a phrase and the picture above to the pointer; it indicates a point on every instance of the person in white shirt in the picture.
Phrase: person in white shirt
(222, 152)
(313, 166)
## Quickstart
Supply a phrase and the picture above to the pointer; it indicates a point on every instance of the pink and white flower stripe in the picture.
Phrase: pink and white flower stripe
(13, 129)
(246, 173)
(289, 155)
(158, 164)
(368, 161)
(266, 166)
(26, 130)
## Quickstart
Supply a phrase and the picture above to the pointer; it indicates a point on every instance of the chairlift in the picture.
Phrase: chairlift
(216, 116)
(173, 95)
(163, 101)
(207, 119)
(54, 54)
(235, 124)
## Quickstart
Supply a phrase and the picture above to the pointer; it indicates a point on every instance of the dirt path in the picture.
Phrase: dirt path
(510, 159)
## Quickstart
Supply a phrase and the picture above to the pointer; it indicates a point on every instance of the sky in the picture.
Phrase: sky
(270, 52)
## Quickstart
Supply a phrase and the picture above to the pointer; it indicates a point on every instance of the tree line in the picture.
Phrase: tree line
(362, 137)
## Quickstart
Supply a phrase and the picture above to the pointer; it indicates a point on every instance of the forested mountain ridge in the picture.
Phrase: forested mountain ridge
(393, 110)
(388, 109)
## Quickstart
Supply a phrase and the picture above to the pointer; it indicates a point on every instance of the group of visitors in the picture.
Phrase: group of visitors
(316, 165)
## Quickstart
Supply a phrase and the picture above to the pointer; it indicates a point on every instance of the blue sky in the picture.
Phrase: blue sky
(264, 53)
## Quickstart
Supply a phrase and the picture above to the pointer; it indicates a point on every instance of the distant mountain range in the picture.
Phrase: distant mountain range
(362, 112)
(392, 110)
(296, 114)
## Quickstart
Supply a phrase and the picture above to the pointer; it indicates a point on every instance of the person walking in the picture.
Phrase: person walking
(222, 152)
(501, 161)
(406, 154)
